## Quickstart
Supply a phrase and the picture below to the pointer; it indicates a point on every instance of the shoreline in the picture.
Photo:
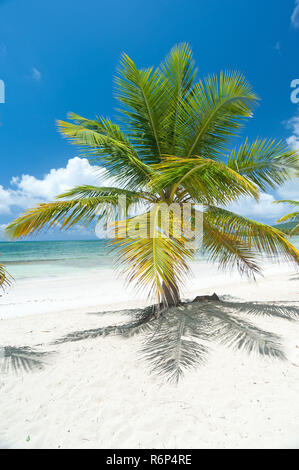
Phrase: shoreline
(95, 289)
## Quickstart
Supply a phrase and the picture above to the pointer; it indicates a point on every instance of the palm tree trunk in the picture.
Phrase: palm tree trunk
(171, 294)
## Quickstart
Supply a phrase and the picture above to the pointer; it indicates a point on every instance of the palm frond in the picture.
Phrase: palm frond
(178, 74)
(149, 257)
(144, 101)
(5, 277)
(204, 179)
(295, 230)
(107, 146)
(292, 215)
(63, 215)
(287, 201)
(88, 191)
(215, 114)
(267, 163)
(260, 238)
(229, 251)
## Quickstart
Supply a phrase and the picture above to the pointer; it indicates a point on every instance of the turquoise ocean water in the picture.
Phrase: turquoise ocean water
(56, 258)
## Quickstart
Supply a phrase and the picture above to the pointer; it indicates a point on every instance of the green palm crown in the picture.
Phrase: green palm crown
(173, 144)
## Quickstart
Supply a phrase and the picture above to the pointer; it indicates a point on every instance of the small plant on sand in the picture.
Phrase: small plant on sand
(173, 145)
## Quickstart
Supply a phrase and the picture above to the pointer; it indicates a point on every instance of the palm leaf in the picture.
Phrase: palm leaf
(204, 179)
(5, 277)
(178, 75)
(293, 215)
(229, 251)
(104, 142)
(87, 191)
(265, 162)
(215, 114)
(63, 214)
(295, 230)
(287, 201)
(260, 238)
(150, 258)
(144, 98)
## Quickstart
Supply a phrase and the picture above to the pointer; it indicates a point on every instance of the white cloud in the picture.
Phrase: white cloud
(293, 141)
(2, 235)
(27, 190)
(295, 15)
(36, 74)
(262, 211)
(289, 190)
(265, 210)
(293, 125)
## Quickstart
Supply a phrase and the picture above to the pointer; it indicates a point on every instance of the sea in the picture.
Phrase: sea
(36, 259)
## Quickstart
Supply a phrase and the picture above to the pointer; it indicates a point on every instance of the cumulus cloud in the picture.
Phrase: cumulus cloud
(2, 235)
(295, 15)
(289, 190)
(293, 125)
(27, 190)
(264, 210)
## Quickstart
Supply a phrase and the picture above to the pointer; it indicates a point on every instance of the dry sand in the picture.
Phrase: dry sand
(98, 393)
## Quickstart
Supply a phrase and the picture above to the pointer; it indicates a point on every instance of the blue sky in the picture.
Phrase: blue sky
(61, 56)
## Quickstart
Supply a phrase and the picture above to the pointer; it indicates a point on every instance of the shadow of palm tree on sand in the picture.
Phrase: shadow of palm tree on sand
(178, 339)
(21, 358)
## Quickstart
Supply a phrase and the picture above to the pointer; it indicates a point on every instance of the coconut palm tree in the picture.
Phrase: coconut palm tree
(293, 216)
(173, 144)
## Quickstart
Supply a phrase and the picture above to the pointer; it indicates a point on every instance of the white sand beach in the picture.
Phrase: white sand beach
(98, 393)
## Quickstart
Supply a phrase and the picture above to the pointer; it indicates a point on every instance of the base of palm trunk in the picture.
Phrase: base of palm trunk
(171, 295)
